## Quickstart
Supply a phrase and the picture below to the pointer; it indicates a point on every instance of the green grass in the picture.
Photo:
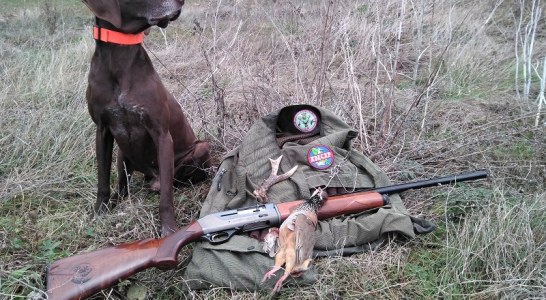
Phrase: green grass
(488, 250)
(520, 151)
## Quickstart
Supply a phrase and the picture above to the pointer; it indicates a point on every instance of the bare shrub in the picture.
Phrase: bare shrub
(50, 15)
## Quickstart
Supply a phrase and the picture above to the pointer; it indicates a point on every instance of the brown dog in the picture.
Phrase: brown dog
(130, 105)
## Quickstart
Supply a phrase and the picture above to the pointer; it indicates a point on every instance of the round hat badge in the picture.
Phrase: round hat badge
(320, 157)
(305, 120)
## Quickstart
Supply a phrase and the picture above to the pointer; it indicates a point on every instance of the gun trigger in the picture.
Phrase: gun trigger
(220, 237)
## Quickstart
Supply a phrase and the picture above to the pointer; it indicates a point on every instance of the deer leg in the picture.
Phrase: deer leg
(261, 191)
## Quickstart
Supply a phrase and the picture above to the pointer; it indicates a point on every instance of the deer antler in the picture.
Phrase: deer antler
(273, 178)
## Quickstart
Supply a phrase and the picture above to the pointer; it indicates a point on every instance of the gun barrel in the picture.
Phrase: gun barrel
(397, 188)
(393, 189)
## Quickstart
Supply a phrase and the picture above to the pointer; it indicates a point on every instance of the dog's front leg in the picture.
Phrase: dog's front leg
(165, 158)
(104, 143)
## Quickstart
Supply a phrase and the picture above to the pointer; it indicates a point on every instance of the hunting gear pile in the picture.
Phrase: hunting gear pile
(313, 149)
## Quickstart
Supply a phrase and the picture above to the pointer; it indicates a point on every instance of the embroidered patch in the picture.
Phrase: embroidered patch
(320, 157)
(305, 120)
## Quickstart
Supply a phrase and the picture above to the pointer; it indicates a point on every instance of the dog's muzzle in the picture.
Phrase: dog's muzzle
(164, 22)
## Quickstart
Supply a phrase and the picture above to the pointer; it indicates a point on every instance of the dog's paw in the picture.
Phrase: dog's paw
(102, 207)
(99, 208)
(96, 212)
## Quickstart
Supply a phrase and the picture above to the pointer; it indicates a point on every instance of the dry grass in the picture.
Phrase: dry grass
(429, 85)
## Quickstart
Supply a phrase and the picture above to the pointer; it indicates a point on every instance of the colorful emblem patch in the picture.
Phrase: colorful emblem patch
(320, 157)
(305, 120)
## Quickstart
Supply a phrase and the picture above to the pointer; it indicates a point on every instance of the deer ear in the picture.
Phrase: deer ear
(107, 10)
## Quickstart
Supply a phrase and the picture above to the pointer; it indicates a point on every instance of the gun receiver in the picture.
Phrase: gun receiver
(219, 227)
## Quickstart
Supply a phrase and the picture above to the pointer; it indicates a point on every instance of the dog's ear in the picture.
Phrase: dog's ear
(107, 10)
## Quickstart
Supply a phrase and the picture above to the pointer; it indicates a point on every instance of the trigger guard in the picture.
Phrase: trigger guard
(220, 237)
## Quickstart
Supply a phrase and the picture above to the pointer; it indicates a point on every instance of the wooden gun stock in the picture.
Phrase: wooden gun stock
(83, 275)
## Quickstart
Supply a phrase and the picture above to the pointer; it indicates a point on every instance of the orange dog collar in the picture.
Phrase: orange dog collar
(110, 36)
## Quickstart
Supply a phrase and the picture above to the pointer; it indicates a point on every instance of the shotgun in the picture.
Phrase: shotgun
(85, 274)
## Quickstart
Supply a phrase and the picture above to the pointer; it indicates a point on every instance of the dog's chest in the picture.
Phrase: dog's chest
(126, 121)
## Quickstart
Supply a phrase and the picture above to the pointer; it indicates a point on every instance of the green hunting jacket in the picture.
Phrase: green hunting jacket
(241, 263)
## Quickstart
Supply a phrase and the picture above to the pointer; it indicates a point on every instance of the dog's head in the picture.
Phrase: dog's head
(132, 16)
